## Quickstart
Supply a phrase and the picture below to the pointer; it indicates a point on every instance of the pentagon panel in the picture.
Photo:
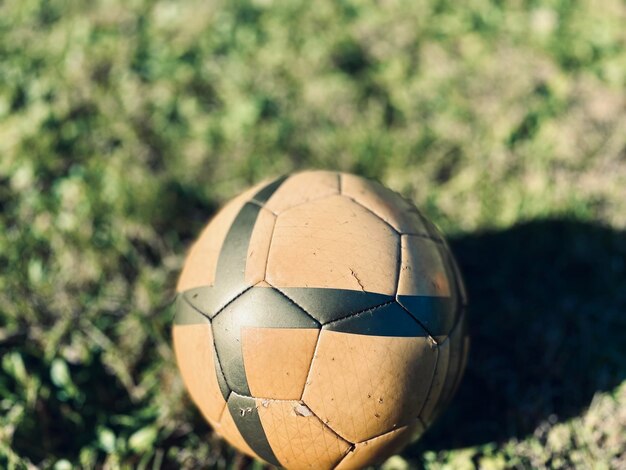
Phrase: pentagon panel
(305, 252)
(261, 307)
(354, 388)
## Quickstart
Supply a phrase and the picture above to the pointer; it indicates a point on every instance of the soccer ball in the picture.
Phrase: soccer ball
(320, 322)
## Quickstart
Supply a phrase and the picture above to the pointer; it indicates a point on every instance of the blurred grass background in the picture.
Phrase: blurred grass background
(125, 124)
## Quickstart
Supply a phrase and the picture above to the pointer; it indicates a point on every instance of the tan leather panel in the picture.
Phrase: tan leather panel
(457, 356)
(201, 261)
(379, 448)
(277, 360)
(297, 437)
(457, 285)
(303, 187)
(459, 280)
(228, 429)
(439, 379)
(193, 346)
(385, 203)
(259, 246)
(422, 271)
(360, 252)
(363, 386)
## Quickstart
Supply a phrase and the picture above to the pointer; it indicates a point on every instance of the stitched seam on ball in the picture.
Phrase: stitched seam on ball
(389, 432)
(440, 397)
(373, 213)
(269, 250)
(432, 381)
(354, 314)
(262, 206)
(219, 419)
(421, 235)
(425, 223)
(430, 336)
(325, 424)
(398, 268)
(269, 247)
(231, 301)
(194, 307)
(456, 271)
(308, 201)
(346, 455)
(301, 401)
(295, 303)
(219, 363)
(308, 374)
(217, 354)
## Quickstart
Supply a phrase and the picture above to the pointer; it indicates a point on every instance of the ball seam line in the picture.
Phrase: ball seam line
(430, 336)
(295, 303)
(430, 385)
(373, 213)
(308, 201)
(261, 206)
(309, 372)
(360, 312)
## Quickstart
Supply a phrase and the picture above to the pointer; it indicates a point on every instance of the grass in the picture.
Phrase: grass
(124, 125)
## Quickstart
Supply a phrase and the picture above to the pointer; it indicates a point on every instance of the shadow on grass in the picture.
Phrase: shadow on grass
(548, 319)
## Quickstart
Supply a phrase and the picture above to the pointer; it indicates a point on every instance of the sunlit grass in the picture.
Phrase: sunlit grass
(124, 125)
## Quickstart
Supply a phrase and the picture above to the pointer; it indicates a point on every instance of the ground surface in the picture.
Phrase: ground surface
(124, 125)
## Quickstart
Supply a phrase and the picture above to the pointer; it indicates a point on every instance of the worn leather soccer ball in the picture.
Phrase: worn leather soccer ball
(320, 322)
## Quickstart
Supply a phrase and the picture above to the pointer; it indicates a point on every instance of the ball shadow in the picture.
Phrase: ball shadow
(547, 319)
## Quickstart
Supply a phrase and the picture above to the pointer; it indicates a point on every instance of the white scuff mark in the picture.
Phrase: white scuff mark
(302, 410)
